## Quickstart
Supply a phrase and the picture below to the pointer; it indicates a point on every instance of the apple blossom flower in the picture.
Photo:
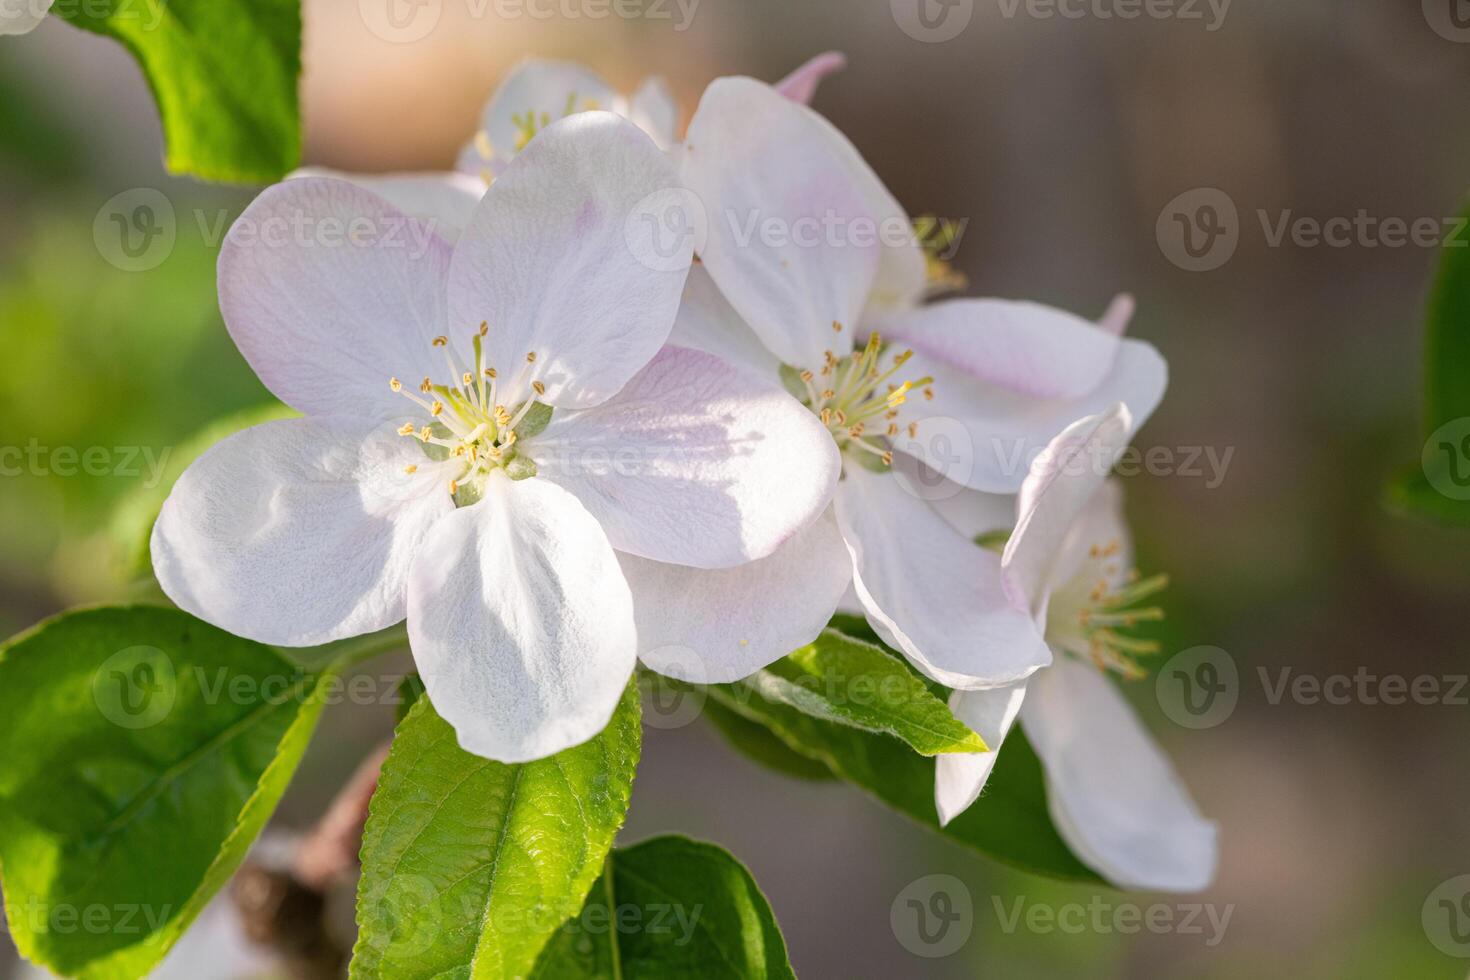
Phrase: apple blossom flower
(1114, 796)
(488, 426)
(22, 16)
(536, 93)
(809, 270)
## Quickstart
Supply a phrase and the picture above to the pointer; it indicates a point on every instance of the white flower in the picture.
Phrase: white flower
(1112, 792)
(535, 94)
(809, 261)
(528, 388)
(22, 16)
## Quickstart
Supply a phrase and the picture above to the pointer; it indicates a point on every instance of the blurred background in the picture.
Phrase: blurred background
(1065, 142)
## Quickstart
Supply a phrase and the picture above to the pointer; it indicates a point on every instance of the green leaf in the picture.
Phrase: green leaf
(410, 689)
(1438, 488)
(1010, 822)
(223, 73)
(841, 679)
(758, 743)
(144, 751)
(469, 865)
(667, 909)
(132, 521)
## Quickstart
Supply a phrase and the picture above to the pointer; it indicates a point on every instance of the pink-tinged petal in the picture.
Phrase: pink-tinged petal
(801, 85)
(792, 238)
(1118, 315)
(653, 110)
(555, 261)
(442, 201)
(985, 436)
(1063, 479)
(930, 592)
(328, 290)
(694, 463)
(538, 89)
(1024, 347)
(521, 622)
(709, 323)
(715, 626)
(960, 776)
(1113, 794)
(299, 532)
(22, 16)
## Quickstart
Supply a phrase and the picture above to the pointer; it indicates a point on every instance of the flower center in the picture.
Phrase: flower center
(527, 125)
(1095, 626)
(468, 425)
(856, 400)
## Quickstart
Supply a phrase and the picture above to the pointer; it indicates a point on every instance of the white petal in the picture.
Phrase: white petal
(787, 218)
(1025, 347)
(715, 626)
(298, 532)
(443, 201)
(930, 592)
(551, 261)
(521, 623)
(653, 110)
(1061, 482)
(1113, 794)
(694, 463)
(1100, 525)
(709, 323)
(22, 16)
(960, 776)
(536, 88)
(328, 290)
(985, 436)
(969, 512)
(801, 85)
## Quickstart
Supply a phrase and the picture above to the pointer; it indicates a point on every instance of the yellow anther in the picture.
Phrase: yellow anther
(407, 429)
(539, 386)
(490, 373)
(484, 327)
(913, 430)
(888, 459)
(836, 326)
(426, 386)
(410, 469)
(436, 409)
(892, 429)
(530, 357)
(467, 379)
(807, 376)
(425, 433)
(483, 146)
(395, 384)
(453, 487)
(928, 394)
(441, 341)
